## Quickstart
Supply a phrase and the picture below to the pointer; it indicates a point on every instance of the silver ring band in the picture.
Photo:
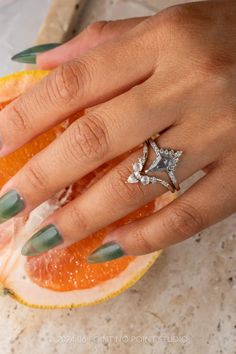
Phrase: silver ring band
(166, 161)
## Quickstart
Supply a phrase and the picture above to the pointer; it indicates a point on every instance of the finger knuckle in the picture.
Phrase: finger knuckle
(183, 20)
(141, 243)
(69, 82)
(173, 24)
(97, 28)
(18, 118)
(77, 218)
(184, 219)
(36, 177)
(124, 192)
(174, 15)
(88, 139)
(214, 65)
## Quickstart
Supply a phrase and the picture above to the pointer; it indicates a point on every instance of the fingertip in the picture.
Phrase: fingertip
(107, 252)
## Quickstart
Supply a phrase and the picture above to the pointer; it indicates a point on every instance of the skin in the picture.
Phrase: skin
(172, 74)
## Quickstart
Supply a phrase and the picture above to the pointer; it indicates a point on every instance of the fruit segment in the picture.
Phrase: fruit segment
(68, 269)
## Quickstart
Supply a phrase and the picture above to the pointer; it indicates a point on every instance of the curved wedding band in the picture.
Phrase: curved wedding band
(166, 161)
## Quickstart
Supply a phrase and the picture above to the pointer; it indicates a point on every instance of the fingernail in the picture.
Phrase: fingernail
(44, 240)
(29, 55)
(11, 204)
(106, 252)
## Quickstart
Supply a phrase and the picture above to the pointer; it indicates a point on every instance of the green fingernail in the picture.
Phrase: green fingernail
(106, 252)
(11, 204)
(44, 240)
(28, 56)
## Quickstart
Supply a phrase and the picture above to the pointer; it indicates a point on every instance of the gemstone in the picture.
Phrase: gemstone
(132, 179)
(154, 180)
(137, 167)
(178, 153)
(141, 160)
(161, 165)
(145, 180)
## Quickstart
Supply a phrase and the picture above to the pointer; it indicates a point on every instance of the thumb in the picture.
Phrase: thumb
(94, 35)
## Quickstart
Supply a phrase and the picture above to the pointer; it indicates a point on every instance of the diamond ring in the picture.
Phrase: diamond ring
(166, 161)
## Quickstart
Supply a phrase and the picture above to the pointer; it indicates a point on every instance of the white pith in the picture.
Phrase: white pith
(14, 278)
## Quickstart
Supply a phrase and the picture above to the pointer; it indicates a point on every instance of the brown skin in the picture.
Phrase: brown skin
(173, 72)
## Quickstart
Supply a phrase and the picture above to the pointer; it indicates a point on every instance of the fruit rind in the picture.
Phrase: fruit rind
(125, 286)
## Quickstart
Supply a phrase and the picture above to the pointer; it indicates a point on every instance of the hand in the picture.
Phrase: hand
(172, 74)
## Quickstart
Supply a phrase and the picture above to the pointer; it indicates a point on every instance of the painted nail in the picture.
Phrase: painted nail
(29, 55)
(11, 204)
(106, 252)
(44, 240)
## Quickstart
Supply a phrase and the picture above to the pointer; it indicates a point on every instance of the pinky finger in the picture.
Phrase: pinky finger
(205, 203)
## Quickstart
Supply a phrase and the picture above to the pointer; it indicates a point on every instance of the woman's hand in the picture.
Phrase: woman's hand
(172, 74)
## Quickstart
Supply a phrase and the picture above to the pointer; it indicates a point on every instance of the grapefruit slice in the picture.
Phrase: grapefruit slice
(60, 278)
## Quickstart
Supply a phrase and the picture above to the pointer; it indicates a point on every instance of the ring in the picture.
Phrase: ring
(166, 161)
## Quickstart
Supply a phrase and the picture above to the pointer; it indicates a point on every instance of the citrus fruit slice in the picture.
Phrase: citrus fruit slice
(60, 278)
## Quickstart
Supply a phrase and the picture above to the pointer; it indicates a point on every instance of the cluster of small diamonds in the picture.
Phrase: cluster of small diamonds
(145, 179)
(174, 155)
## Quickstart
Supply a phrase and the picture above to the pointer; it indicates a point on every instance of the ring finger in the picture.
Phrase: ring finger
(113, 197)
